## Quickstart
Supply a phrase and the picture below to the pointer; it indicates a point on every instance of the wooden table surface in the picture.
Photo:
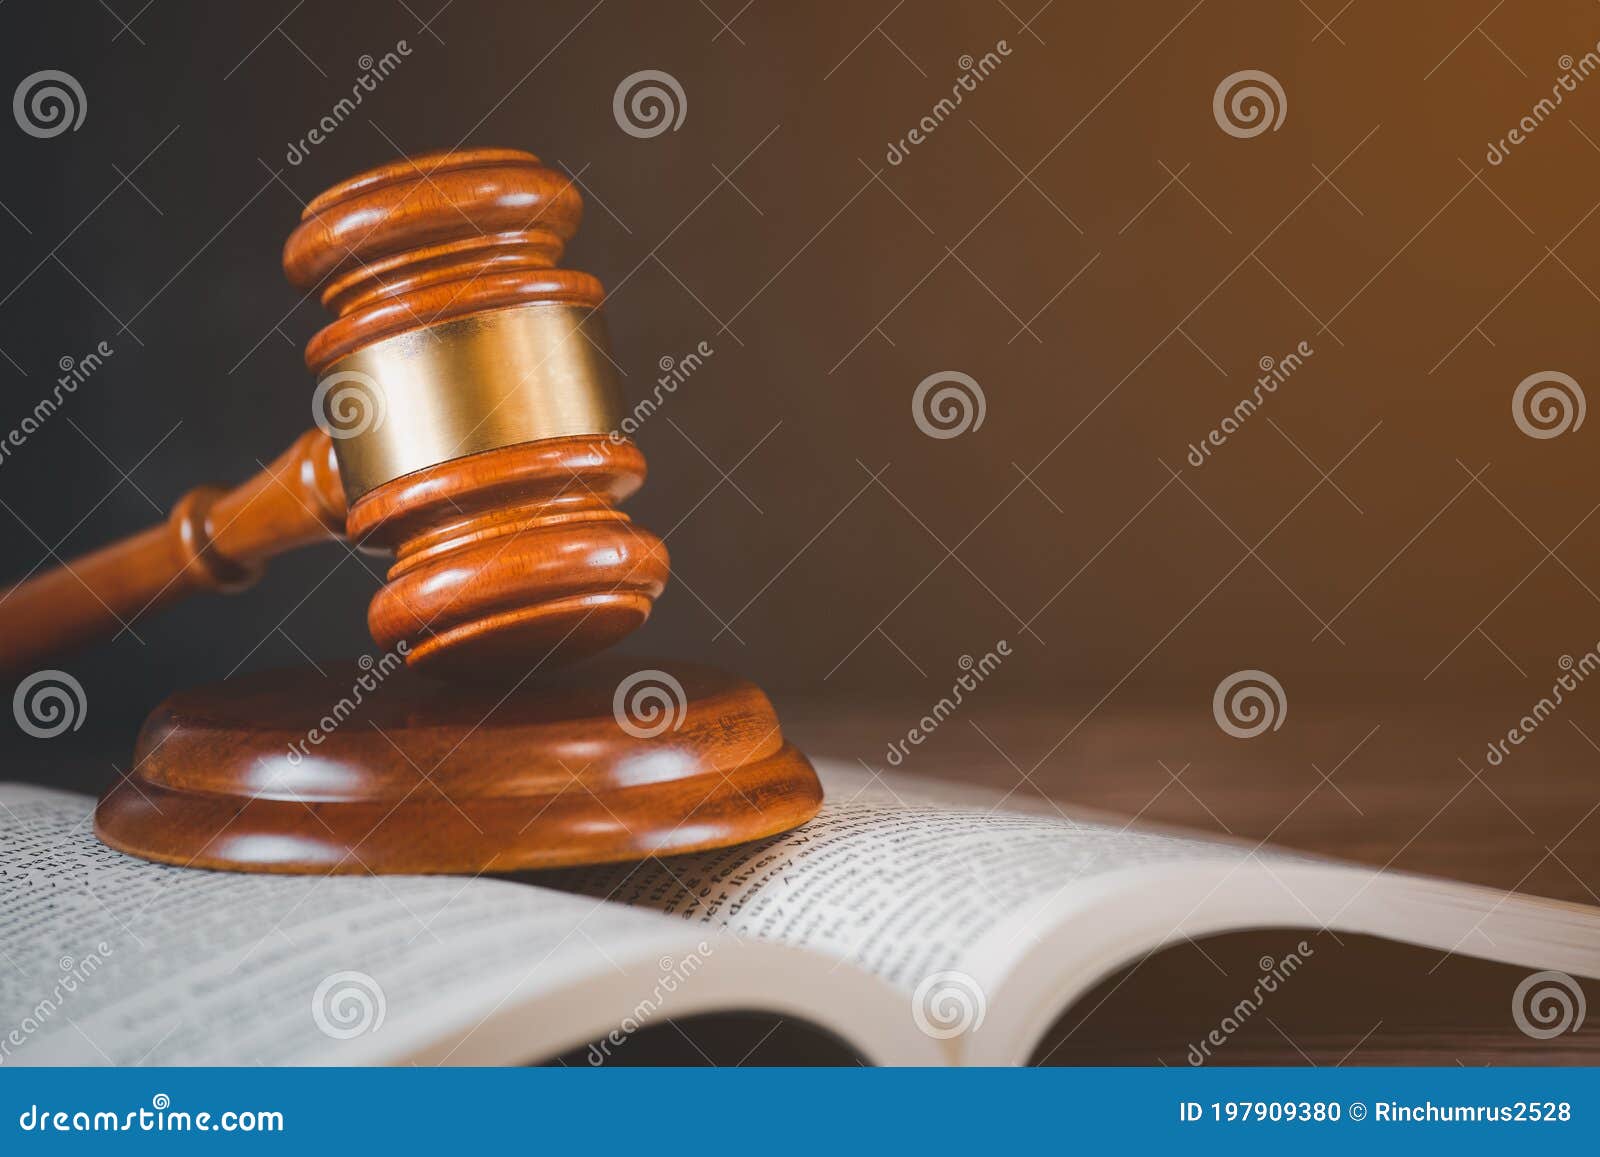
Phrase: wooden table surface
(1408, 791)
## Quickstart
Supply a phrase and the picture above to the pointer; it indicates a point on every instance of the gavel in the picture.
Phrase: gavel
(467, 409)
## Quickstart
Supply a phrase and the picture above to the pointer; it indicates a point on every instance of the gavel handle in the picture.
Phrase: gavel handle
(214, 540)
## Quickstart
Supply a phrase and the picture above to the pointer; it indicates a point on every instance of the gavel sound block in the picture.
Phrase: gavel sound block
(466, 400)
(292, 771)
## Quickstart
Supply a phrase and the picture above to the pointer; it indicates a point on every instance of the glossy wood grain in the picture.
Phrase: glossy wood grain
(419, 777)
(214, 540)
(505, 559)
(513, 558)
(435, 237)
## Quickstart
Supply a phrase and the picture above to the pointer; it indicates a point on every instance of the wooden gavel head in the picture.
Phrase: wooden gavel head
(468, 390)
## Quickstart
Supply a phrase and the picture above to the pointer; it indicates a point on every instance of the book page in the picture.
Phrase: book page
(107, 959)
(900, 880)
(995, 915)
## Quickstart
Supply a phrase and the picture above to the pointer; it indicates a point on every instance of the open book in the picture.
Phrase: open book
(918, 925)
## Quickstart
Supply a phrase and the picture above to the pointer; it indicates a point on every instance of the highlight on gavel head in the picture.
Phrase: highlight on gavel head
(468, 387)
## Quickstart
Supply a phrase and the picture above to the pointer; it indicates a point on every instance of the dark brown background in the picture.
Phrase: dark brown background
(821, 543)
(787, 267)
(1080, 237)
